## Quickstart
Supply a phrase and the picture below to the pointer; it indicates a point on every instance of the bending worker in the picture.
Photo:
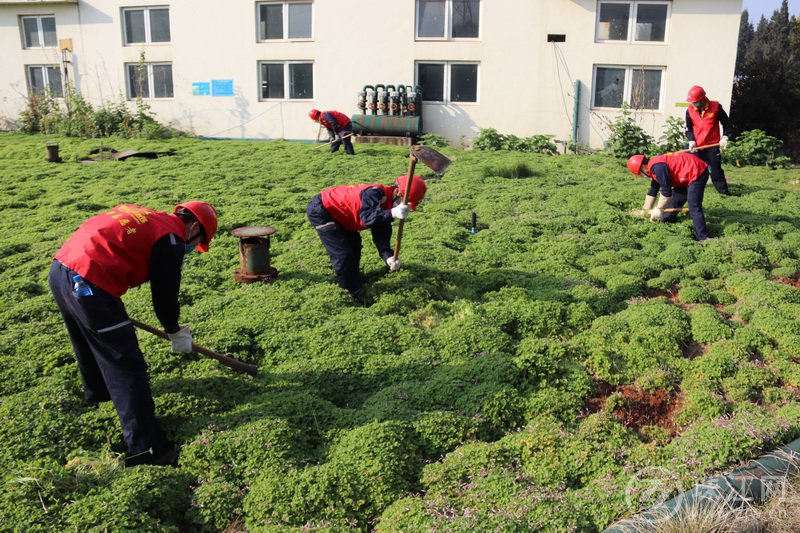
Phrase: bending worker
(339, 126)
(680, 177)
(703, 119)
(341, 212)
(110, 252)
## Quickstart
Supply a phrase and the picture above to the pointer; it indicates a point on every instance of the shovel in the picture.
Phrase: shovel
(224, 359)
(431, 159)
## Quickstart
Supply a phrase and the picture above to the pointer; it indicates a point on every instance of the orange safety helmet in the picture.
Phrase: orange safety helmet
(696, 93)
(313, 114)
(417, 192)
(635, 164)
(207, 217)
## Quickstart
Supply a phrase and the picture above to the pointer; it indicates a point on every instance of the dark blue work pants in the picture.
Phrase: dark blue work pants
(713, 157)
(343, 246)
(110, 362)
(694, 194)
(348, 142)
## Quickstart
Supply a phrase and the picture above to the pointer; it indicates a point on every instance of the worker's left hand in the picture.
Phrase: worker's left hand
(181, 340)
(655, 215)
(394, 264)
(723, 143)
(400, 211)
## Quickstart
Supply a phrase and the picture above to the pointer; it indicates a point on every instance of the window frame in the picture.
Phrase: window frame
(448, 24)
(447, 81)
(45, 77)
(626, 97)
(633, 13)
(39, 31)
(287, 79)
(149, 77)
(148, 36)
(284, 21)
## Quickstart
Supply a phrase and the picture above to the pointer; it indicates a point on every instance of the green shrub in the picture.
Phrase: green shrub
(755, 147)
(434, 139)
(627, 137)
(707, 325)
(695, 294)
(674, 138)
(489, 139)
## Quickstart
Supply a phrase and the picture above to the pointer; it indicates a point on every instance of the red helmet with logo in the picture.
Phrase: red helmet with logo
(417, 192)
(696, 93)
(313, 114)
(207, 217)
(635, 164)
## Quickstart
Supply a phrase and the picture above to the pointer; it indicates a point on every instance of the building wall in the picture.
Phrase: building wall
(526, 85)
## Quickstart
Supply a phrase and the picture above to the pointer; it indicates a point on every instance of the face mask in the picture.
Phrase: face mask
(189, 248)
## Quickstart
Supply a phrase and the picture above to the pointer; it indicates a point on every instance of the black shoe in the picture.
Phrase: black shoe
(166, 456)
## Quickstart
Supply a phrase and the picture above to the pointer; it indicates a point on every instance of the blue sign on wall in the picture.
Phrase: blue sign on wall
(201, 88)
(222, 87)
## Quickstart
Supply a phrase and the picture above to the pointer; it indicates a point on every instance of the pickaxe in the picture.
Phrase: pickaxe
(431, 159)
(332, 141)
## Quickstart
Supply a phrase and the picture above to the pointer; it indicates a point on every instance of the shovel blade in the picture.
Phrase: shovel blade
(430, 158)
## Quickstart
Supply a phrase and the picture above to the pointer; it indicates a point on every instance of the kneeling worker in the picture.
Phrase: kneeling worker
(110, 252)
(681, 177)
(341, 212)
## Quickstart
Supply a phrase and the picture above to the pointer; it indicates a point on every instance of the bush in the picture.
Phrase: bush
(627, 137)
(674, 137)
(756, 148)
(434, 139)
(490, 139)
(707, 325)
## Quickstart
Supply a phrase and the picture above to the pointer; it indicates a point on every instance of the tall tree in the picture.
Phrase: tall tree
(766, 89)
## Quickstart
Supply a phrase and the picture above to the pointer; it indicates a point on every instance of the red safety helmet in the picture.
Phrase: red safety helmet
(696, 93)
(313, 114)
(635, 164)
(417, 192)
(207, 217)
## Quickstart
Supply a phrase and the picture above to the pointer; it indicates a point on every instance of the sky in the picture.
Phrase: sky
(756, 8)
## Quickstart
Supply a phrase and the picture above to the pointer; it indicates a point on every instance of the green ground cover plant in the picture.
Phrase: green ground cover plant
(517, 378)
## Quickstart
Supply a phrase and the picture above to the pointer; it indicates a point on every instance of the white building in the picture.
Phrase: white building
(253, 69)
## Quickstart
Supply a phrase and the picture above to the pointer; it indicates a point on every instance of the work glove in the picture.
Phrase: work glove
(655, 214)
(181, 340)
(692, 146)
(394, 264)
(400, 211)
(723, 143)
(649, 202)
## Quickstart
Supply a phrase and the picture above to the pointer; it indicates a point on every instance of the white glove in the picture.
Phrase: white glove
(181, 340)
(692, 146)
(655, 214)
(723, 143)
(400, 212)
(394, 264)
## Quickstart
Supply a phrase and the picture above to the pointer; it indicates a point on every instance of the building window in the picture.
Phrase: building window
(273, 76)
(149, 80)
(45, 79)
(448, 82)
(632, 21)
(638, 87)
(146, 25)
(448, 19)
(284, 20)
(39, 31)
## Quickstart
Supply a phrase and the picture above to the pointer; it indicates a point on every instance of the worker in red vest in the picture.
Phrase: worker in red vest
(110, 252)
(339, 126)
(680, 177)
(341, 212)
(703, 119)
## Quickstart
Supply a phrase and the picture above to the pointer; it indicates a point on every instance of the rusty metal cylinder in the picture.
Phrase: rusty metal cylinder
(254, 254)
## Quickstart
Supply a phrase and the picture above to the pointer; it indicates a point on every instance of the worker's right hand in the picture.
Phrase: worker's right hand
(181, 340)
(400, 212)
(692, 146)
(393, 264)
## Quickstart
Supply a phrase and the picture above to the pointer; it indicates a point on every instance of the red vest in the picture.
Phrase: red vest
(705, 127)
(113, 249)
(343, 202)
(342, 120)
(683, 168)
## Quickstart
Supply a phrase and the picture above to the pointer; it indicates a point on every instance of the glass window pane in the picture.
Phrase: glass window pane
(651, 22)
(464, 83)
(49, 31)
(613, 25)
(137, 82)
(159, 26)
(134, 26)
(272, 80)
(609, 87)
(30, 29)
(301, 80)
(271, 23)
(162, 81)
(36, 79)
(646, 89)
(299, 21)
(430, 18)
(466, 14)
(54, 82)
(431, 79)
